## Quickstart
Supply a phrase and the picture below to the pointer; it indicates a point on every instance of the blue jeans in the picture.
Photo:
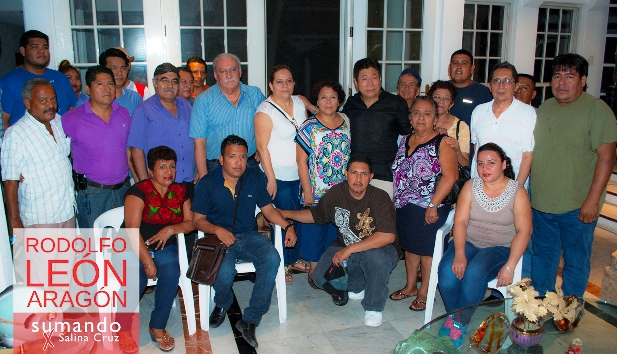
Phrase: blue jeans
(554, 235)
(369, 271)
(483, 265)
(250, 247)
(286, 198)
(316, 239)
(92, 202)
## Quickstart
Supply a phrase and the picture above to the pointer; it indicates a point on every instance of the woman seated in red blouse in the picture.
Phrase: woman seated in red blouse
(161, 209)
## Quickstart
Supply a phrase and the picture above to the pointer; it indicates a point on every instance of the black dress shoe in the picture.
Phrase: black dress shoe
(248, 332)
(217, 317)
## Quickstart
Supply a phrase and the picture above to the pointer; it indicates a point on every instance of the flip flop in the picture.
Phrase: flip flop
(415, 303)
(400, 293)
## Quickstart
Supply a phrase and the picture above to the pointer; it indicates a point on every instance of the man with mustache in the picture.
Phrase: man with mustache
(34, 46)
(227, 108)
(164, 119)
(36, 148)
(364, 216)
(99, 130)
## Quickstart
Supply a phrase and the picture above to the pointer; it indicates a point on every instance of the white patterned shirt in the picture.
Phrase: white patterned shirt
(46, 195)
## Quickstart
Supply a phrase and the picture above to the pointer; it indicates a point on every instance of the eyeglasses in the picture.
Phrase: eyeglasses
(442, 98)
(505, 82)
(167, 81)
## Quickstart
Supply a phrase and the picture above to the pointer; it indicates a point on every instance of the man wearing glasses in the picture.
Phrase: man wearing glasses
(506, 122)
(164, 119)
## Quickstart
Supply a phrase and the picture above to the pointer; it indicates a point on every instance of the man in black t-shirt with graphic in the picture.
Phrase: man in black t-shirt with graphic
(365, 218)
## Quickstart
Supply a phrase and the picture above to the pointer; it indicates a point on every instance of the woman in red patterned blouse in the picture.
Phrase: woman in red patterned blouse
(161, 209)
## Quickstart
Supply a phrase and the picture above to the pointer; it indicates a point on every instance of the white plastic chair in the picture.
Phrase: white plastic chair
(438, 253)
(114, 218)
(206, 292)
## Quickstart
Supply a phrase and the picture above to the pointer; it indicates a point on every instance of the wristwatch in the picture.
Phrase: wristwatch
(288, 226)
(431, 205)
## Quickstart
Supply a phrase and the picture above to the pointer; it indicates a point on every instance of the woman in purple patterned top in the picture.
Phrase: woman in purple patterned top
(419, 213)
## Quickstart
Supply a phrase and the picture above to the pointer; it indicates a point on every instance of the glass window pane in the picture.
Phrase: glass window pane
(81, 12)
(548, 93)
(479, 75)
(468, 41)
(245, 75)
(469, 16)
(236, 43)
(375, 14)
(413, 45)
(482, 16)
(564, 44)
(553, 20)
(537, 70)
(108, 38)
(551, 46)
(190, 43)
(214, 44)
(213, 13)
(107, 12)
(414, 14)
(135, 43)
(542, 20)
(139, 73)
(132, 12)
(374, 44)
(548, 71)
(83, 44)
(613, 2)
(566, 21)
(395, 15)
(608, 73)
(481, 45)
(495, 48)
(236, 13)
(610, 50)
(190, 12)
(491, 64)
(611, 27)
(394, 45)
(497, 18)
(390, 77)
(540, 45)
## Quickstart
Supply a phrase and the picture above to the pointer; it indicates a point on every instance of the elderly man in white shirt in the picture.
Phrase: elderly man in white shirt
(506, 122)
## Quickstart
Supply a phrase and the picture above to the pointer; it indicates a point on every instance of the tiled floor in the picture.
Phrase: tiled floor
(316, 325)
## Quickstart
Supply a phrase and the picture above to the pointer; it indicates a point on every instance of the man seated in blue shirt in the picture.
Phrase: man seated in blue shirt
(216, 197)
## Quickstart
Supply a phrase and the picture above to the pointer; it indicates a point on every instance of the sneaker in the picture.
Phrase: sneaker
(444, 331)
(356, 296)
(372, 318)
(457, 334)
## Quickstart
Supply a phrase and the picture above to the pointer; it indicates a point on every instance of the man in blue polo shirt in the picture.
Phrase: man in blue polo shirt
(216, 197)
(469, 93)
(226, 108)
(34, 46)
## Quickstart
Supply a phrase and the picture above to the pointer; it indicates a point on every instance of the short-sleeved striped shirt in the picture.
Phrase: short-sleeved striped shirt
(214, 118)
(46, 195)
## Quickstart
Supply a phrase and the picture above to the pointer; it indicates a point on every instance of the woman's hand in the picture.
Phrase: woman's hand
(431, 216)
(505, 276)
(150, 269)
(452, 142)
(271, 187)
(160, 239)
(308, 198)
(458, 266)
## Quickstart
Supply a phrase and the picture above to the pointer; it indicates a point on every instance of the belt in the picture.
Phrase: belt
(114, 187)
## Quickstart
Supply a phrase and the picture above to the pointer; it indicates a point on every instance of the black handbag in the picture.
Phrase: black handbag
(464, 174)
(208, 254)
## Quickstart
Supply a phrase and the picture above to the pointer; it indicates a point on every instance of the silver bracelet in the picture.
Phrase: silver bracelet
(508, 268)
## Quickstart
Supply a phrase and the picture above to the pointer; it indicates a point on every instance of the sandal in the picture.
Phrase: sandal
(288, 277)
(311, 282)
(300, 267)
(416, 303)
(399, 295)
(127, 343)
(166, 343)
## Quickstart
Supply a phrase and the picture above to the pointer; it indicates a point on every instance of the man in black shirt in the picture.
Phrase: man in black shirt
(377, 119)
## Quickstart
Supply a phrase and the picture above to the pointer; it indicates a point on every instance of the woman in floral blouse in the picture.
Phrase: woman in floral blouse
(161, 209)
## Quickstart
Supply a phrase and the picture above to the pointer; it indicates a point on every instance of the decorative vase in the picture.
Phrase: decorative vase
(523, 336)
(564, 324)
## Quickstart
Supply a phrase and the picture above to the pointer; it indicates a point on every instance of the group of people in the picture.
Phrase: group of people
(362, 185)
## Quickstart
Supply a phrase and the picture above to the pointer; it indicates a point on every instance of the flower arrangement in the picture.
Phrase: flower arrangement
(559, 307)
(525, 303)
